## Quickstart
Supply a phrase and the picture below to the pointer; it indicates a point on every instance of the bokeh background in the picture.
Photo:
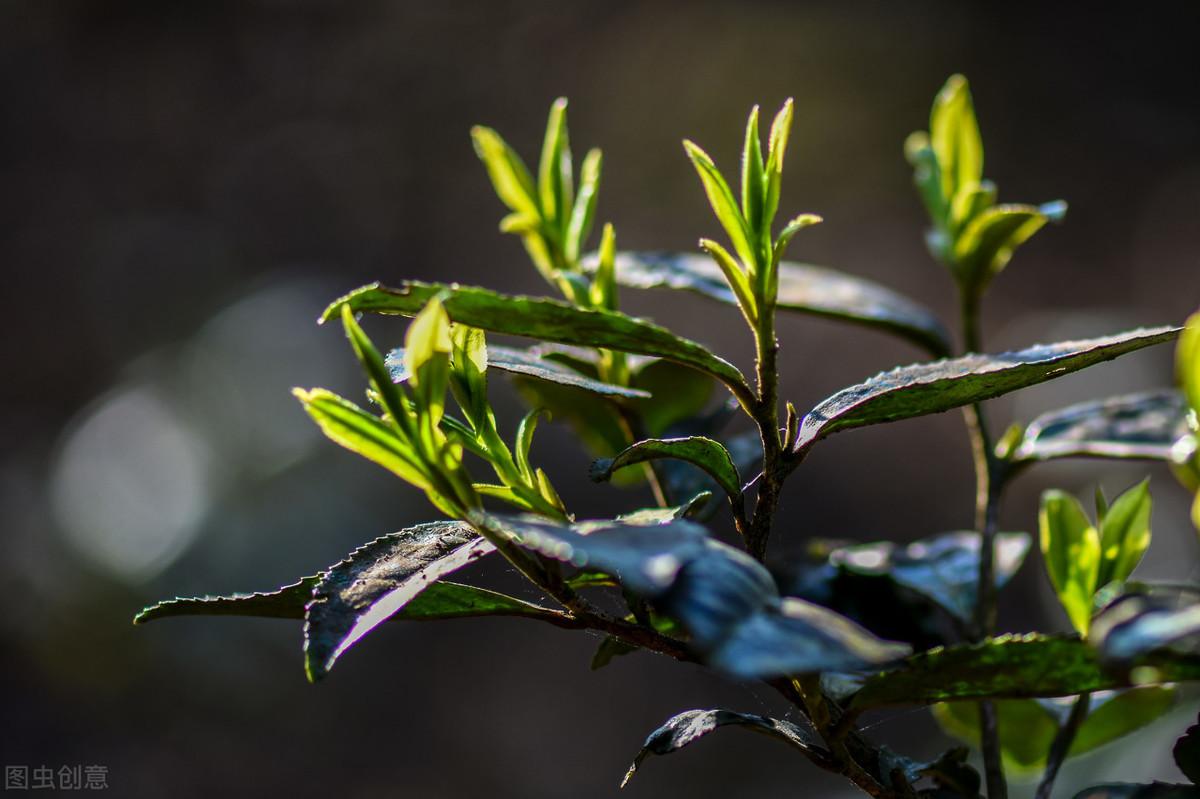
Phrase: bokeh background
(184, 185)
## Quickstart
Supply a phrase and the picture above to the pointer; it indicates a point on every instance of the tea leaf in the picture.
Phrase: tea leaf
(1144, 425)
(689, 726)
(1072, 554)
(720, 197)
(989, 240)
(546, 319)
(1125, 534)
(802, 288)
(1028, 726)
(510, 177)
(954, 137)
(555, 169)
(753, 179)
(1007, 667)
(529, 363)
(583, 215)
(441, 600)
(703, 452)
(944, 568)
(928, 388)
(1187, 361)
(376, 581)
(777, 143)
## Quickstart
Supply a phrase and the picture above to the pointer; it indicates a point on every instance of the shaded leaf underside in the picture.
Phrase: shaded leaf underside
(1143, 425)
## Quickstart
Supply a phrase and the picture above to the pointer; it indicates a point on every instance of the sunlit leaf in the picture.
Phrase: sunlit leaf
(777, 142)
(688, 727)
(1071, 551)
(1144, 425)
(720, 197)
(702, 452)
(358, 431)
(1125, 534)
(1187, 361)
(803, 288)
(546, 319)
(989, 240)
(944, 568)
(377, 580)
(555, 169)
(753, 179)
(954, 136)
(1008, 667)
(942, 385)
(510, 177)
(583, 215)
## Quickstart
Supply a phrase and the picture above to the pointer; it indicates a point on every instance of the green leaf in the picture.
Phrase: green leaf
(1144, 425)
(927, 176)
(650, 516)
(555, 169)
(530, 363)
(510, 177)
(603, 292)
(1125, 534)
(1187, 361)
(988, 242)
(945, 568)
(777, 143)
(928, 388)
(1137, 625)
(802, 288)
(678, 394)
(468, 371)
(971, 200)
(724, 206)
(1007, 667)
(954, 137)
(703, 452)
(525, 441)
(378, 579)
(546, 319)
(583, 215)
(358, 431)
(283, 603)
(735, 278)
(685, 480)
(1028, 726)
(1071, 551)
(427, 356)
(688, 727)
(753, 185)
(791, 229)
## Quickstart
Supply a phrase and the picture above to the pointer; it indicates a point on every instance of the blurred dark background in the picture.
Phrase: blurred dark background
(184, 185)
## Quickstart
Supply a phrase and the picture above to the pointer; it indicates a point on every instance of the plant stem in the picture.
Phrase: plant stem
(987, 497)
(1062, 745)
(757, 531)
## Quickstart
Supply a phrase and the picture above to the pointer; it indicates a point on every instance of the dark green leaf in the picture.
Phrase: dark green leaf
(944, 568)
(441, 600)
(1027, 666)
(1132, 426)
(942, 385)
(283, 603)
(684, 480)
(649, 516)
(546, 319)
(690, 726)
(800, 637)
(727, 601)
(703, 452)
(377, 580)
(1114, 714)
(804, 288)
(529, 363)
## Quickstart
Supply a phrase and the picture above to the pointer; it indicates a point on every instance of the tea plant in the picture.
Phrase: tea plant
(854, 628)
